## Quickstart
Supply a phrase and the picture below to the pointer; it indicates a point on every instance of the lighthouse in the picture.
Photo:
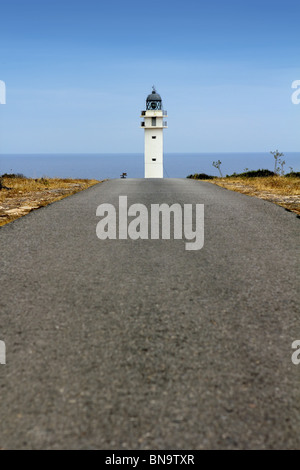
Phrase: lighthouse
(154, 125)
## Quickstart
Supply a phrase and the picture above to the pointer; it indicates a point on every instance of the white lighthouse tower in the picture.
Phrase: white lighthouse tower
(154, 124)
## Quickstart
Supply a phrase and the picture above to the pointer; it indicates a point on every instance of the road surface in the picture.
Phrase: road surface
(141, 344)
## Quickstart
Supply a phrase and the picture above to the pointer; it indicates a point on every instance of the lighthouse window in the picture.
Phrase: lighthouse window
(154, 159)
(154, 137)
(154, 121)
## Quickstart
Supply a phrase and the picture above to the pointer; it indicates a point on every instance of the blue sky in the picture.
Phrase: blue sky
(78, 72)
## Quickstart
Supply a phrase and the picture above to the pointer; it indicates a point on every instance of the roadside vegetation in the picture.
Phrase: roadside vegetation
(275, 186)
(20, 195)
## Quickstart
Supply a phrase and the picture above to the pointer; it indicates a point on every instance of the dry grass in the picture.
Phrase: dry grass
(22, 195)
(25, 185)
(278, 189)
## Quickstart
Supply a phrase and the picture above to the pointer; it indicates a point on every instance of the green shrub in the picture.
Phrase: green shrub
(200, 176)
(13, 175)
(293, 174)
(253, 174)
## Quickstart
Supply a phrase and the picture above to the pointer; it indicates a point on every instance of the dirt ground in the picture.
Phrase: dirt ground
(15, 204)
(290, 202)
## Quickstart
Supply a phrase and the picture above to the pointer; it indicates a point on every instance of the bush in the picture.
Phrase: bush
(13, 175)
(253, 174)
(293, 174)
(200, 176)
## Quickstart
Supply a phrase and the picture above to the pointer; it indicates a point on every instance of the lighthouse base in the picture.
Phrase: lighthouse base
(153, 171)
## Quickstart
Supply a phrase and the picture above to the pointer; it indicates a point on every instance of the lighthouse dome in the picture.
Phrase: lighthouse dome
(154, 100)
(154, 96)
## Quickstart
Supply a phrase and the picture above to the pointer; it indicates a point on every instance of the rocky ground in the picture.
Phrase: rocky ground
(13, 206)
(289, 202)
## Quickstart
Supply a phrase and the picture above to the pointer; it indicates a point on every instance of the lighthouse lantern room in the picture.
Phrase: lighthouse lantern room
(154, 124)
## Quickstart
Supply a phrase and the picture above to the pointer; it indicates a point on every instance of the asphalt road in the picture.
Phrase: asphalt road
(123, 344)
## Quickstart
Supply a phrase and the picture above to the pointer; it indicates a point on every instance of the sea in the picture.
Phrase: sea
(112, 165)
